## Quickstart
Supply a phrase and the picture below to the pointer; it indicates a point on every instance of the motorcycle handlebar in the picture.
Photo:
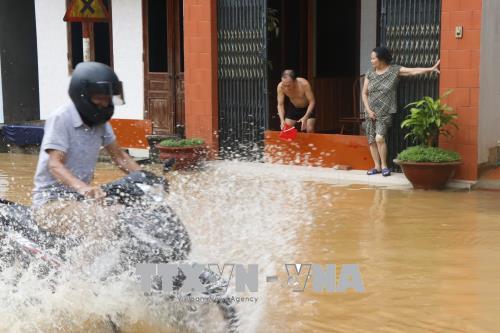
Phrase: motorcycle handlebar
(126, 189)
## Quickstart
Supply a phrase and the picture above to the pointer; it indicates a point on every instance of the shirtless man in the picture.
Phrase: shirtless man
(301, 106)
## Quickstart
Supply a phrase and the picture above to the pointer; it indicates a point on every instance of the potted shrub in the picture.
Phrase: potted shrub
(183, 153)
(425, 165)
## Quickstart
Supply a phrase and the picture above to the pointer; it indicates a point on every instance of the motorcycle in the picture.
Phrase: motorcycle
(150, 231)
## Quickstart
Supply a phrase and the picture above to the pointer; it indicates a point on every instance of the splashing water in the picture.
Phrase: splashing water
(231, 218)
(245, 218)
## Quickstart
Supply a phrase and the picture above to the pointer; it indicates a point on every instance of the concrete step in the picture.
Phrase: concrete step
(490, 180)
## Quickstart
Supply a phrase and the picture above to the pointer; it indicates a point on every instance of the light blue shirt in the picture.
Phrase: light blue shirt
(65, 131)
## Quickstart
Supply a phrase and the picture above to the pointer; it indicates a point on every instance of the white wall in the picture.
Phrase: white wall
(53, 49)
(52, 46)
(368, 33)
(489, 94)
(1, 95)
(127, 52)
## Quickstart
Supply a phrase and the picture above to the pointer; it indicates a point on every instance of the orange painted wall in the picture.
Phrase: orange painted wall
(200, 59)
(323, 150)
(460, 72)
(131, 133)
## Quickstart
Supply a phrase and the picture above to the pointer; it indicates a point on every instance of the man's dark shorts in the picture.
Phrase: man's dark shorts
(295, 113)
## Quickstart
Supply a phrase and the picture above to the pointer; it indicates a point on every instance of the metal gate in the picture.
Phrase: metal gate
(411, 30)
(242, 72)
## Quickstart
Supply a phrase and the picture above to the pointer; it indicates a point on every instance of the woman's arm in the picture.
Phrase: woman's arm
(364, 95)
(406, 71)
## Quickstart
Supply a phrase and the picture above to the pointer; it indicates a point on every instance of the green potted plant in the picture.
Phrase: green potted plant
(184, 154)
(425, 165)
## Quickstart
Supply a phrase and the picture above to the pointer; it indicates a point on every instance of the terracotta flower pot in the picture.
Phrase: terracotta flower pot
(428, 175)
(186, 157)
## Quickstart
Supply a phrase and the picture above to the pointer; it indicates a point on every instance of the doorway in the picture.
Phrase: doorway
(320, 40)
(163, 65)
(19, 91)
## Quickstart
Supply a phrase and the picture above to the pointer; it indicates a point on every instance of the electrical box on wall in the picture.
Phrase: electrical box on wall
(459, 31)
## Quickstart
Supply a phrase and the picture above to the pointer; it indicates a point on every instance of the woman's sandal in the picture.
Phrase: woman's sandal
(372, 172)
(386, 172)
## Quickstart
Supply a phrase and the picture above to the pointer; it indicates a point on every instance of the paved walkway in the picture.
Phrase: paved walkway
(325, 175)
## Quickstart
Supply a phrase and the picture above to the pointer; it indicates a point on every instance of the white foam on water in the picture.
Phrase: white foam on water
(232, 218)
(243, 218)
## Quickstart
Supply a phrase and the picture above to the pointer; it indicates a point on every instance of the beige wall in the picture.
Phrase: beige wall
(53, 48)
(489, 96)
(127, 56)
(53, 77)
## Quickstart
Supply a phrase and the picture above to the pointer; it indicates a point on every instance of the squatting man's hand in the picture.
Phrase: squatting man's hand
(303, 123)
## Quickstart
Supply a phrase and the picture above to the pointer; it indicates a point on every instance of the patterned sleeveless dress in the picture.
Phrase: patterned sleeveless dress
(382, 89)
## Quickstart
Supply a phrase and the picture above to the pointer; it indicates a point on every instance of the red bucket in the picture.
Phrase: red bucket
(288, 133)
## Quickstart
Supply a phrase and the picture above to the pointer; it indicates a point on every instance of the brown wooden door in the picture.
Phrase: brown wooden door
(163, 64)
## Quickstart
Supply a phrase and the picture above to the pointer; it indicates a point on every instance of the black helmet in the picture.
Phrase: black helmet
(93, 78)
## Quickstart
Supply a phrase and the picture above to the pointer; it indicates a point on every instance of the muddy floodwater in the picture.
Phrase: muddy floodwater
(429, 261)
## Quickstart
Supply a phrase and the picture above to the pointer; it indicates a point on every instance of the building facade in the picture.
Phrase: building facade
(212, 67)
(466, 67)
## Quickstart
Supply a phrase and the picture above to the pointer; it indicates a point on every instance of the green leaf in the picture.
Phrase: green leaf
(181, 142)
(427, 118)
(428, 154)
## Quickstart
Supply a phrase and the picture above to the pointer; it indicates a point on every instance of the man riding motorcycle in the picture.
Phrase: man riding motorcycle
(74, 135)
(148, 231)
(67, 211)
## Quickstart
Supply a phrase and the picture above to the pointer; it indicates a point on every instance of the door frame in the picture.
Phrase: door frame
(173, 60)
(178, 69)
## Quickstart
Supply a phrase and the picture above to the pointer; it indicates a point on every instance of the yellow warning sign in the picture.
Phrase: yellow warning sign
(86, 10)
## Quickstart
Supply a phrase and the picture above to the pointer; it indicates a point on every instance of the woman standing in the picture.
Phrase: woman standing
(379, 98)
